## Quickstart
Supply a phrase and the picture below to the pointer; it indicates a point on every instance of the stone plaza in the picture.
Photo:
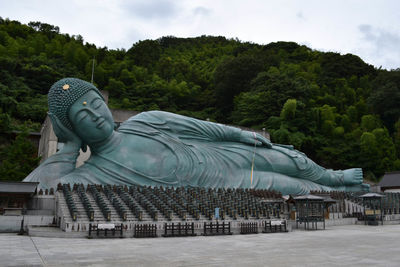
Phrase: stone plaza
(348, 245)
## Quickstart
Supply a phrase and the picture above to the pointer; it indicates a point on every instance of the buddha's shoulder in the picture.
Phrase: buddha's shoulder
(151, 114)
(157, 116)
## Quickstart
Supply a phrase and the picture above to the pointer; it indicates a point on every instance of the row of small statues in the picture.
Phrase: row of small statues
(263, 193)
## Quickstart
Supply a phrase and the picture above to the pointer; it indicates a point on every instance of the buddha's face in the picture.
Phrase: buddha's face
(91, 119)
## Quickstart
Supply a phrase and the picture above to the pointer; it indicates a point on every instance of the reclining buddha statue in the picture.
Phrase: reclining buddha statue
(158, 148)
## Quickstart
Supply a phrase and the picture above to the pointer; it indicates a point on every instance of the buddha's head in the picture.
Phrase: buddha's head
(80, 107)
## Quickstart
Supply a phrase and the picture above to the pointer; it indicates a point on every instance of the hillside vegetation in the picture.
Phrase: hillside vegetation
(337, 109)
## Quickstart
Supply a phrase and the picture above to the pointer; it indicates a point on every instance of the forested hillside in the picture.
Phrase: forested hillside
(336, 108)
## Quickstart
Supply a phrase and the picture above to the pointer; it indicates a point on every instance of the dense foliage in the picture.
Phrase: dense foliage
(339, 110)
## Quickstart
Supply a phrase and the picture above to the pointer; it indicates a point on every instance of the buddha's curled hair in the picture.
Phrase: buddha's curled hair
(64, 93)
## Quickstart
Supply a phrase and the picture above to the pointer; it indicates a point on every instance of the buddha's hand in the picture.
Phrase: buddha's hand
(72, 141)
(252, 138)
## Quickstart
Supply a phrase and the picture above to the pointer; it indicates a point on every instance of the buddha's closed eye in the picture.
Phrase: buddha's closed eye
(96, 103)
(81, 115)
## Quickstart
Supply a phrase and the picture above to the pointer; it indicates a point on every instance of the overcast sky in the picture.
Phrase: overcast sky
(367, 28)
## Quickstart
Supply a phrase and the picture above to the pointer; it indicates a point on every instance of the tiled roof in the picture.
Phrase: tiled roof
(18, 187)
(390, 179)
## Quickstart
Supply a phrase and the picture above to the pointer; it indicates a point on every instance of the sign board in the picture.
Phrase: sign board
(372, 212)
(276, 222)
(108, 226)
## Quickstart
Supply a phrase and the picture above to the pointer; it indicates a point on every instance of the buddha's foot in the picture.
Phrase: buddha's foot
(343, 178)
(353, 176)
(365, 187)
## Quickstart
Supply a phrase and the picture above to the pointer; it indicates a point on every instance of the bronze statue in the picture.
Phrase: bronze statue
(160, 148)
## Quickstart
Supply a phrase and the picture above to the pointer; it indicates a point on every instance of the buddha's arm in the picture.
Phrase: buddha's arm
(55, 167)
(190, 128)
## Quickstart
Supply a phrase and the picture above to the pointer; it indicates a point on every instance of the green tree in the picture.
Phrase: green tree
(385, 99)
(369, 123)
(145, 53)
(397, 138)
(5, 120)
(18, 159)
(232, 77)
(369, 154)
(289, 109)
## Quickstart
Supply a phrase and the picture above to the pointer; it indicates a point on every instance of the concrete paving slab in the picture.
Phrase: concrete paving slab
(18, 250)
(350, 245)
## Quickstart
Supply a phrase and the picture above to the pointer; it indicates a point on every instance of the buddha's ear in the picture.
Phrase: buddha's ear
(84, 147)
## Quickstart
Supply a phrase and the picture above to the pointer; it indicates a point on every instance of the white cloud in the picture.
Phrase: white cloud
(202, 11)
(150, 9)
(380, 46)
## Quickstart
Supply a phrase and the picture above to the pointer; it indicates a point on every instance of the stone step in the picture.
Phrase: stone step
(115, 218)
(82, 214)
(98, 214)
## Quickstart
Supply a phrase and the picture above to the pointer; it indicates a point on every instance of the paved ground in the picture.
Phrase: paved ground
(337, 246)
